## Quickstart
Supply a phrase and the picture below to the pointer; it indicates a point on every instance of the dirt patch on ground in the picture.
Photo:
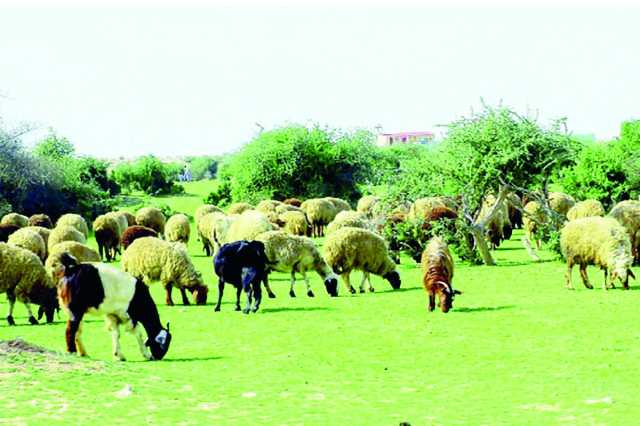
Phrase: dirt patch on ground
(19, 346)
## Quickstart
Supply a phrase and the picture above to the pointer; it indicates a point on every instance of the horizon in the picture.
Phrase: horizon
(125, 82)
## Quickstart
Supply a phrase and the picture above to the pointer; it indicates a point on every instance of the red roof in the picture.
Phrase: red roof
(407, 134)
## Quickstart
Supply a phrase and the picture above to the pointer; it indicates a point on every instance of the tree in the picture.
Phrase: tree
(497, 151)
(54, 147)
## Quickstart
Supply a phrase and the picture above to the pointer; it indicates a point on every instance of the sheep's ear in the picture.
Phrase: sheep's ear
(631, 274)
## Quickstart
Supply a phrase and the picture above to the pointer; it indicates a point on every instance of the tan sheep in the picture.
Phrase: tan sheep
(205, 227)
(246, 227)
(295, 223)
(151, 259)
(30, 240)
(239, 208)
(131, 218)
(320, 212)
(44, 233)
(151, 217)
(121, 219)
(350, 249)
(560, 202)
(290, 253)
(23, 277)
(499, 228)
(586, 208)
(627, 213)
(201, 212)
(597, 241)
(421, 208)
(65, 233)
(15, 219)
(282, 208)
(339, 204)
(74, 220)
(366, 205)
(107, 232)
(266, 206)
(178, 229)
(81, 252)
(41, 220)
(348, 218)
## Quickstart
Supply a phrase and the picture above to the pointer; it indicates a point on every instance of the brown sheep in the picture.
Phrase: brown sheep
(437, 273)
(134, 232)
(41, 220)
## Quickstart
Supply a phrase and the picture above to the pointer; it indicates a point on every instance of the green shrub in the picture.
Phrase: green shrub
(203, 167)
(150, 175)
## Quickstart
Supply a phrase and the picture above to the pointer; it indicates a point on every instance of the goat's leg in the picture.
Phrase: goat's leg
(257, 290)
(72, 333)
(220, 293)
(585, 277)
(12, 301)
(306, 281)
(169, 289)
(185, 299)
(247, 307)
(347, 283)
(114, 327)
(238, 293)
(293, 282)
(138, 331)
(432, 301)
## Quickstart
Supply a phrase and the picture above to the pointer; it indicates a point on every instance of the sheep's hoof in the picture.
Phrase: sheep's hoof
(255, 309)
(272, 295)
(245, 311)
(371, 289)
(32, 320)
(310, 293)
(361, 290)
(217, 309)
(116, 357)
(169, 302)
(291, 293)
(352, 290)
(10, 320)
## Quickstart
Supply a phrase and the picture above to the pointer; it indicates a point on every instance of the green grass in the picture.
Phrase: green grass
(517, 349)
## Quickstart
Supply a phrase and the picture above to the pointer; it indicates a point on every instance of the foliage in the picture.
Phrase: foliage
(148, 174)
(296, 161)
(203, 167)
(54, 147)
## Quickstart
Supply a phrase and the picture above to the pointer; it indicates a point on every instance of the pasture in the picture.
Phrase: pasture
(518, 348)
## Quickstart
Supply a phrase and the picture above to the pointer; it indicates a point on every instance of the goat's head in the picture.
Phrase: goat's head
(446, 295)
(159, 344)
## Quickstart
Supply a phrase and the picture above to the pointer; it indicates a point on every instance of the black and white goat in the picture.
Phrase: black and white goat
(101, 289)
(244, 265)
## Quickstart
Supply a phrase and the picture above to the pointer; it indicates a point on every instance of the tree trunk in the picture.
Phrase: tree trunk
(481, 244)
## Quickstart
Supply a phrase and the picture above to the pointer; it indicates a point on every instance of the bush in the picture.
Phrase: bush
(150, 175)
(203, 167)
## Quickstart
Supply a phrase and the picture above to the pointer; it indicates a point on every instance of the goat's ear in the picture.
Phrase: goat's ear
(457, 292)
(167, 327)
(631, 274)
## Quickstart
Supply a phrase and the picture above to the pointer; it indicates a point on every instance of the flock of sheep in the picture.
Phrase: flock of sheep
(42, 264)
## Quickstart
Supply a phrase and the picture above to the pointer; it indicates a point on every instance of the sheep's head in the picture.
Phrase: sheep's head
(331, 284)
(622, 270)
(159, 345)
(47, 298)
(394, 279)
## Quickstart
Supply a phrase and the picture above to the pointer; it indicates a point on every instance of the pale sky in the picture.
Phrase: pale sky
(185, 81)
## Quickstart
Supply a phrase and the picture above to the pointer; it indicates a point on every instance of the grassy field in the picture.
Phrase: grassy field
(517, 349)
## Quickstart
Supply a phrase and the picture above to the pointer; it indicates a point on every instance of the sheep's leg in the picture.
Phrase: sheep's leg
(293, 282)
(265, 281)
(169, 289)
(608, 284)
(32, 319)
(238, 293)
(585, 277)
(567, 276)
(138, 331)
(371, 289)
(220, 292)
(347, 283)
(12, 301)
(185, 299)
(432, 301)
(364, 280)
(114, 327)
(101, 251)
(306, 281)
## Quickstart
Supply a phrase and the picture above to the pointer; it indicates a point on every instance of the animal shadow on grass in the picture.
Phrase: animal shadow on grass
(483, 308)
(400, 290)
(294, 309)
(508, 263)
(192, 359)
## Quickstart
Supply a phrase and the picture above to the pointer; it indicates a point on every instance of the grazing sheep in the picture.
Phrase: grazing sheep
(339, 204)
(15, 219)
(44, 233)
(107, 232)
(206, 227)
(586, 208)
(152, 259)
(499, 228)
(266, 206)
(290, 253)
(282, 208)
(355, 248)
(437, 274)
(598, 241)
(293, 202)
(421, 207)
(41, 220)
(244, 265)
(202, 211)
(103, 290)
(121, 219)
(320, 212)
(177, 229)
(151, 217)
(348, 218)
(134, 232)
(514, 204)
(65, 233)
(533, 214)
(75, 221)
(246, 227)
(627, 213)
(6, 229)
(561, 202)
(80, 252)
(131, 218)
(30, 240)
(366, 205)
(295, 223)
(239, 208)
(23, 277)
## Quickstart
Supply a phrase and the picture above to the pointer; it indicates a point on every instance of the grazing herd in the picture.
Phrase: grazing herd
(53, 267)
